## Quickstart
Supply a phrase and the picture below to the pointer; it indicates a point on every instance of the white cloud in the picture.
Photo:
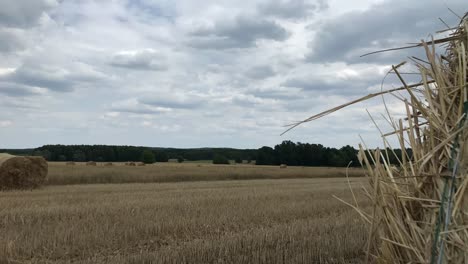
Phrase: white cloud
(5, 123)
(146, 59)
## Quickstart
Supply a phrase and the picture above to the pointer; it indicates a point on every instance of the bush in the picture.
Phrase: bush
(220, 159)
(180, 159)
(148, 157)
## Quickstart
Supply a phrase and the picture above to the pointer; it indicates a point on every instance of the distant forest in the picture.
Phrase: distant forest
(288, 152)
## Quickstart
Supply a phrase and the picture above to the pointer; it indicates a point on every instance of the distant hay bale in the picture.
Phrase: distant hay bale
(22, 172)
(283, 166)
(141, 164)
(131, 164)
(91, 163)
(108, 164)
(70, 163)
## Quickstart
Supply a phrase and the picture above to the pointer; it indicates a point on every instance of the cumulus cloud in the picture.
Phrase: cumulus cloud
(52, 77)
(241, 32)
(18, 90)
(288, 93)
(24, 13)
(291, 9)
(337, 78)
(133, 105)
(252, 101)
(12, 39)
(174, 101)
(387, 24)
(260, 72)
(146, 59)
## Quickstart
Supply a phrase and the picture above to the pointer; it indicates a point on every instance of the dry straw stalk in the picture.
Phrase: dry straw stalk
(420, 209)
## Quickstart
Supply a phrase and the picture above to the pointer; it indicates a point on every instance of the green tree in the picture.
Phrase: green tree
(180, 159)
(350, 155)
(220, 159)
(148, 157)
(79, 156)
(161, 156)
(265, 156)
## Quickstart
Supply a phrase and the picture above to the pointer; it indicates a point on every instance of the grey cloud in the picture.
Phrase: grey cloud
(23, 13)
(17, 90)
(218, 43)
(51, 78)
(385, 25)
(291, 9)
(290, 93)
(251, 101)
(135, 110)
(174, 101)
(242, 32)
(140, 60)
(330, 87)
(11, 40)
(134, 106)
(260, 72)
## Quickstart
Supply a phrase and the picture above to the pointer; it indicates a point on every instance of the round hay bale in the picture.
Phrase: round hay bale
(70, 163)
(283, 166)
(91, 163)
(22, 172)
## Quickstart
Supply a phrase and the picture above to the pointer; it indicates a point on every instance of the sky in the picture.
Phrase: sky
(190, 73)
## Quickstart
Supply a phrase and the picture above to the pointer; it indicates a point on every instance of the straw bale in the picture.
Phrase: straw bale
(22, 172)
(91, 163)
(283, 166)
(108, 164)
(131, 164)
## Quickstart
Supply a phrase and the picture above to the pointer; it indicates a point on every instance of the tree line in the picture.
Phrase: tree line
(288, 152)
(106, 153)
(305, 154)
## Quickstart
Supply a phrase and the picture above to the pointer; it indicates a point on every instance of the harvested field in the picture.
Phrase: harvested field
(257, 221)
(178, 172)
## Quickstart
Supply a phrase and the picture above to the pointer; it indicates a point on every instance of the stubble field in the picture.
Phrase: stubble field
(61, 174)
(289, 220)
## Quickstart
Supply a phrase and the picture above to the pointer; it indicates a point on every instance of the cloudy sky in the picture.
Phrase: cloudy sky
(190, 73)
